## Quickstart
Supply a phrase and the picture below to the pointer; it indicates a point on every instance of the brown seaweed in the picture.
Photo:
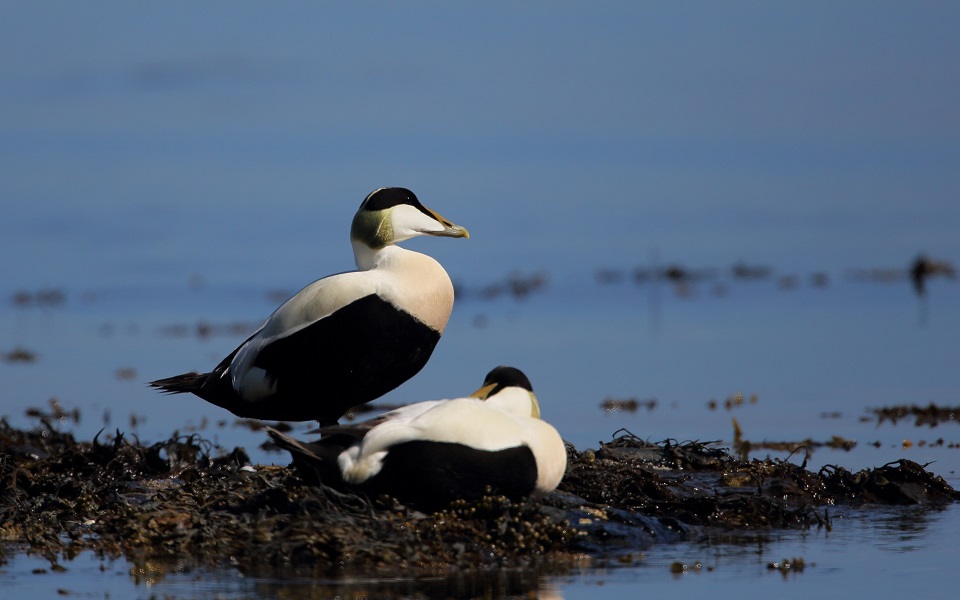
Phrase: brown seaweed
(183, 500)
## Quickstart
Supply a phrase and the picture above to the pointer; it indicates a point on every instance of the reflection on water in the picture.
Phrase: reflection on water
(878, 550)
(905, 530)
(499, 584)
(88, 576)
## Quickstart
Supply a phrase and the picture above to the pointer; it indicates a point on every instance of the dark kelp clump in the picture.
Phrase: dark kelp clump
(698, 485)
(175, 501)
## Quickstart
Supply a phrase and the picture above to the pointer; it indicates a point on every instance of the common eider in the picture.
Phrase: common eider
(431, 453)
(346, 339)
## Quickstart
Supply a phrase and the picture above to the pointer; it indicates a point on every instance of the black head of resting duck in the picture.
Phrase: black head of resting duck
(346, 339)
(431, 453)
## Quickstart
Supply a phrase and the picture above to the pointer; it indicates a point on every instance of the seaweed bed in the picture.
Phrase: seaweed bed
(174, 502)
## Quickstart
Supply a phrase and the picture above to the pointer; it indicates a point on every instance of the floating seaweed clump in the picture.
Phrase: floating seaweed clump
(183, 500)
(930, 415)
(19, 355)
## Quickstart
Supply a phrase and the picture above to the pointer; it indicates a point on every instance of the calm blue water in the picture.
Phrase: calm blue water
(163, 170)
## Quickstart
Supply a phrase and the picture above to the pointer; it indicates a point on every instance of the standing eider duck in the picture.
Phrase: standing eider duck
(431, 453)
(346, 339)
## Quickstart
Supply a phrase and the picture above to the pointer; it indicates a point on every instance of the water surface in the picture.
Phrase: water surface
(161, 173)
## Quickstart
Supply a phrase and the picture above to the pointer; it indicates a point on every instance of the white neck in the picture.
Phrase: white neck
(410, 280)
(364, 256)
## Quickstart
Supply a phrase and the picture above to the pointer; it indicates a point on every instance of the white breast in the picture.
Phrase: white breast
(416, 284)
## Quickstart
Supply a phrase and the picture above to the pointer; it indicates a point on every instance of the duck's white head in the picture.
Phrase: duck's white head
(509, 389)
(393, 214)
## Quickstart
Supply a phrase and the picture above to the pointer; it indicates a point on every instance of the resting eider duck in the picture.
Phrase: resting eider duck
(346, 339)
(431, 453)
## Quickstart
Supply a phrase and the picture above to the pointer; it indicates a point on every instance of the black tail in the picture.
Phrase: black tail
(180, 384)
(316, 462)
(314, 452)
(212, 387)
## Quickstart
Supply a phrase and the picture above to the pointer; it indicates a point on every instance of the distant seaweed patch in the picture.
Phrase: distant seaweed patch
(205, 329)
(611, 404)
(919, 271)
(19, 355)
(930, 415)
(733, 401)
(54, 413)
(516, 285)
(743, 447)
(41, 297)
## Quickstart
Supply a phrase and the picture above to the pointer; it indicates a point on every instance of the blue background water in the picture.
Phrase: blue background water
(192, 163)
